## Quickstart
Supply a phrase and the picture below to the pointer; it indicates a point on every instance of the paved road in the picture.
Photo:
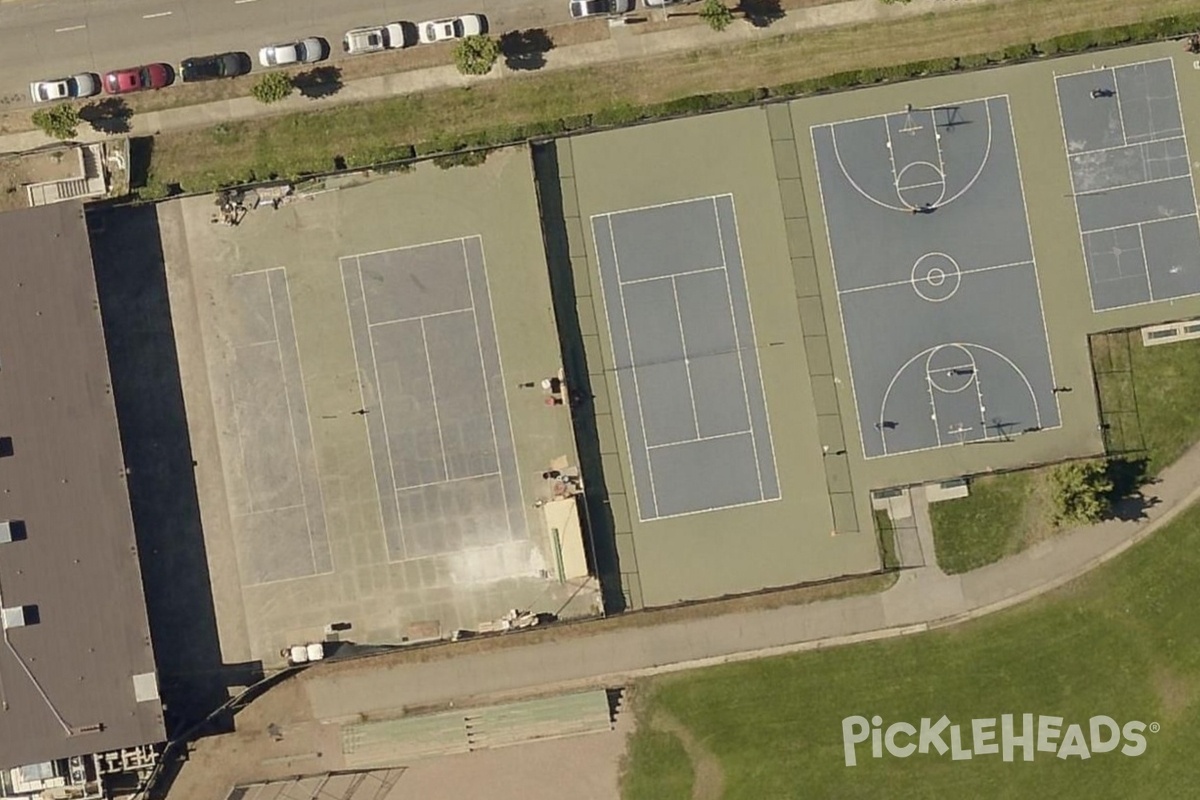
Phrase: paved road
(50, 38)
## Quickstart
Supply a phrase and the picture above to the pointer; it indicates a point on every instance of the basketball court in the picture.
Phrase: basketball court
(687, 365)
(1131, 180)
(936, 281)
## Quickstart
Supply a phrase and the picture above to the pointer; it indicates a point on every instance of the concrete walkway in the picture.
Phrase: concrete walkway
(310, 706)
(623, 44)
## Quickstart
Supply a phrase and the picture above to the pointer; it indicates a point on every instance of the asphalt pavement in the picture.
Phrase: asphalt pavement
(52, 38)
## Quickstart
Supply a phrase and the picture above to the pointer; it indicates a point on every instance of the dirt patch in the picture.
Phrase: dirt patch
(710, 778)
(1176, 692)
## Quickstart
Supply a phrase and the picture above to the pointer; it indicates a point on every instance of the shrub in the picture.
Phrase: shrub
(272, 87)
(716, 14)
(60, 121)
(470, 158)
(476, 55)
(1018, 52)
(1082, 492)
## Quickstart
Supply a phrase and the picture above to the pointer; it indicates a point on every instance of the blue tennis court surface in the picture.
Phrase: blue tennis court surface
(687, 365)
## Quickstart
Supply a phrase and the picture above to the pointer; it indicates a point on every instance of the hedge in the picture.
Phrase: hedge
(467, 148)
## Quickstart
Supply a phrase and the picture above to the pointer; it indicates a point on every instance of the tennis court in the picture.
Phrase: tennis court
(686, 358)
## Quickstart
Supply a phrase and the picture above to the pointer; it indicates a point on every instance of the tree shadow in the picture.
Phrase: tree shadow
(760, 13)
(1128, 476)
(318, 82)
(110, 115)
(526, 50)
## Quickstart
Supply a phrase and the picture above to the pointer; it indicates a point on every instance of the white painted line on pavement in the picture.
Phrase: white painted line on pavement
(159, 14)
(72, 28)
(240, 2)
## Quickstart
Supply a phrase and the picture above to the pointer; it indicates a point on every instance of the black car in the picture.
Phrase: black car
(210, 68)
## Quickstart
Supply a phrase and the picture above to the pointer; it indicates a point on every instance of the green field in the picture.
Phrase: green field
(1148, 396)
(993, 522)
(1120, 642)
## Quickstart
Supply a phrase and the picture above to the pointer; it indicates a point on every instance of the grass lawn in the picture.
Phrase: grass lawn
(1148, 396)
(663, 770)
(1002, 516)
(1120, 641)
(313, 141)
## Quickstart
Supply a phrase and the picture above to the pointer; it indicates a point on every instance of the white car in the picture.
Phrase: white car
(82, 85)
(581, 9)
(305, 51)
(443, 30)
(374, 39)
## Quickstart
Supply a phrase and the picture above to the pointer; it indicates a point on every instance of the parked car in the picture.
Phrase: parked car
(137, 79)
(375, 39)
(305, 51)
(443, 30)
(211, 68)
(85, 84)
(581, 9)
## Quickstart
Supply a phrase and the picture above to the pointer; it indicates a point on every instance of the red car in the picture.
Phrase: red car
(136, 79)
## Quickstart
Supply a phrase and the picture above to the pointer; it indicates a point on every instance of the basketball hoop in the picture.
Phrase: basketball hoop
(911, 126)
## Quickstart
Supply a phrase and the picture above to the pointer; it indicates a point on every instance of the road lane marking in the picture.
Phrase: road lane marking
(72, 28)
(240, 2)
(159, 14)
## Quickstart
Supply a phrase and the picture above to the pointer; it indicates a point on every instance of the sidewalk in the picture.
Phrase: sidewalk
(623, 44)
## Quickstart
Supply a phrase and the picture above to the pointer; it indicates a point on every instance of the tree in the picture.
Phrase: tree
(60, 121)
(1083, 492)
(476, 55)
(716, 14)
(272, 87)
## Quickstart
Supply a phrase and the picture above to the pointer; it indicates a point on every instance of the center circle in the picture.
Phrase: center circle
(935, 277)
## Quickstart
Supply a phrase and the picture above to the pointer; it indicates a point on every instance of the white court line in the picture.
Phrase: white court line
(1145, 263)
(362, 399)
(651, 207)
(673, 275)
(512, 436)
(405, 247)
(887, 130)
(449, 480)
(858, 412)
(158, 15)
(271, 511)
(387, 439)
(70, 28)
(437, 417)
(1073, 153)
(946, 105)
(909, 281)
(687, 367)
(1133, 185)
(737, 343)
(243, 2)
(937, 431)
(312, 558)
(633, 372)
(749, 431)
(1083, 248)
(487, 392)
(762, 388)
(937, 143)
(1093, 69)
(1141, 222)
(911, 186)
(420, 317)
(1120, 112)
(287, 288)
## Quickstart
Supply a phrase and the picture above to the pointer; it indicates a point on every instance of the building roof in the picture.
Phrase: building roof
(79, 679)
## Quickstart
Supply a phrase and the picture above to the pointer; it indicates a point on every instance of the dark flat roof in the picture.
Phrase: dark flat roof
(66, 682)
